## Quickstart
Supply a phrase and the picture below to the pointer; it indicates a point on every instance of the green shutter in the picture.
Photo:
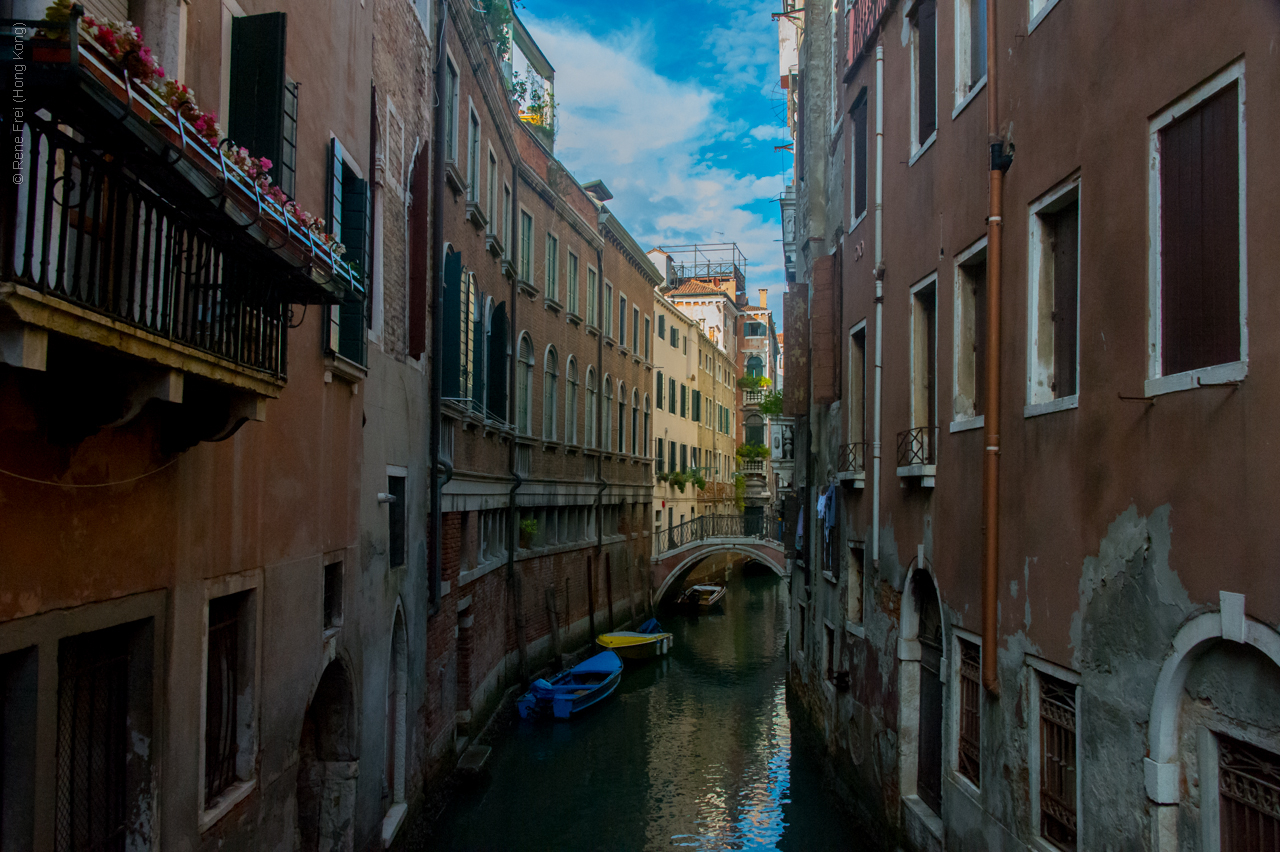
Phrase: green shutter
(497, 359)
(333, 197)
(354, 199)
(255, 115)
(451, 327)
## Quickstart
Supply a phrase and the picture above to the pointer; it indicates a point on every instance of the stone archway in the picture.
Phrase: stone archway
(921, 660)
(328, 765)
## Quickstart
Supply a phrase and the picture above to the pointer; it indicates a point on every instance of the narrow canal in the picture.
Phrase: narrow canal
(694, 751)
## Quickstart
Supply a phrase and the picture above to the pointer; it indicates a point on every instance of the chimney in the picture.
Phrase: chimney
(764, 297)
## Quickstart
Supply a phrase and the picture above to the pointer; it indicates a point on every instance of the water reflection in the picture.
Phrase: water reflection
(694, 752)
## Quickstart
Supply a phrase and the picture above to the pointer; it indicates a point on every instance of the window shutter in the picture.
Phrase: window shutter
(498, 363)
(352, 328)
(1066, 278)
(927, 27)
(355, 222)
(451, 326)
(419, 243)
(479, 374)
(255, 114)
(333, 196)
(660, 388)
(860, 157)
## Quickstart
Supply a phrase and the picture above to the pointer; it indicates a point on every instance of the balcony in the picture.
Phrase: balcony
(852, 464)
(918, 454)
(136, 253)
(753, 397)
(753, 467)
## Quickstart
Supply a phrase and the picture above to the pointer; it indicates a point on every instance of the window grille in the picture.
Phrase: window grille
(1058, 762)
(970, 740)
(93, 704)
(1248, 797)
(221, 691)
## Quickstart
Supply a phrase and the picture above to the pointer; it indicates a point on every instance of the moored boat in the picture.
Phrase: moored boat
(574, 690)
(649, 641)
(703, 596)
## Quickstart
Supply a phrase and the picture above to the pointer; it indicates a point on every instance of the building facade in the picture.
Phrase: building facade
(678, 399)
(1092, 341)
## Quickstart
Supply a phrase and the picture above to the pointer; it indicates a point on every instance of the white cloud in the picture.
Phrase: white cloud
(648, 137)
(771, 131)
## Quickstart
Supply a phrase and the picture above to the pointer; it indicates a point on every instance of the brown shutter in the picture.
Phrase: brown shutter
(927, 100)
(1066, 289)
(795, 392)
(419, 240)
(860, 157)
(825, 320)
(1200, 236)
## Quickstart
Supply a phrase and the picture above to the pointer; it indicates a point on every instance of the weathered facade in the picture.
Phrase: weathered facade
(1134, 700)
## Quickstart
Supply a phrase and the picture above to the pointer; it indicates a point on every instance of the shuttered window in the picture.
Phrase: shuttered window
(1200, 235)
(288, 178)
(453, 327)
(858, 185)
(419, 242)
(256, 108)
(925, 23)
(1064, 227)
(348, 214)
(497, 361)
(660, 389)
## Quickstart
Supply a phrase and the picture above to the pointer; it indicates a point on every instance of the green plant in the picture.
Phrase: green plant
(752, 452)
(528, 529)
(753, 382)
(498, 14)
(662, 476)
(679, 479)
(739, 492)
(771, 404)
(700, 481)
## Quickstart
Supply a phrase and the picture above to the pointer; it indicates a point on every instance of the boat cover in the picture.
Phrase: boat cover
(650, 626)
(604, 662)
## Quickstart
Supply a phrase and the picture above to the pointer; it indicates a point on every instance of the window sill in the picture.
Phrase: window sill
(553, 305)
(830, 578)
(855, 629)
(1065, 403)
(591, 329)
(494, 245)
(572, 316)
(526, 288)
(391, 823)
(609, 341)
(925, 473)
(475, 215)
(968, 423)
(480, 570)
(967, 99)
(967, 787)
(924, 813)
(622, 350)
(230, 797)
(508, 268)
(857, 221)
(345, 369)
(928, 143)
(453, 177)
(550, 446)
(1219, 374)
(1035, 21)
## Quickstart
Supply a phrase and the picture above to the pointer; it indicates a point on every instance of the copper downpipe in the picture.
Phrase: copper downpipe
(991, 408)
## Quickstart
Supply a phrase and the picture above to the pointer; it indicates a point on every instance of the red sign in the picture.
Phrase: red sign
(864, 17)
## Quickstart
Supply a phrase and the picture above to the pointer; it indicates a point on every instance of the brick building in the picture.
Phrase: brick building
(1027, 611)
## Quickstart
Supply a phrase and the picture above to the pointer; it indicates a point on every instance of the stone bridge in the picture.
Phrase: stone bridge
(682, 547)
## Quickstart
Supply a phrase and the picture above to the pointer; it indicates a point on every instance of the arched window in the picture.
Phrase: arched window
(571, 401)
(591, 407)
(647, 441)
(607, 428)
(635, 420)
(550, 373)
(524, 382)
(755, 367)
(499, 356)
(622, 417)
(754, 429)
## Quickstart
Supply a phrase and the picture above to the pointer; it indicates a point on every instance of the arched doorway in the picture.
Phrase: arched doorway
(328, 765)
(929, 754)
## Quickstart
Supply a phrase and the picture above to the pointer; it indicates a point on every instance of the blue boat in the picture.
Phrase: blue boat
(574, 690)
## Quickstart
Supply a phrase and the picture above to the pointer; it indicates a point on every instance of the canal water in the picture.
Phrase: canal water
(693, 751)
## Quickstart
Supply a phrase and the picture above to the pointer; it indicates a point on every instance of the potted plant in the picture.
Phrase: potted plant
(662, 476)
(678, 479)
(753, 382)
(528, 529)
(700, 481)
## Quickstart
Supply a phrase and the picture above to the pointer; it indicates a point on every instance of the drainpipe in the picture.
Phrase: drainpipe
(879, 273)
(436, 568)
(1000, 162)
(513, 581)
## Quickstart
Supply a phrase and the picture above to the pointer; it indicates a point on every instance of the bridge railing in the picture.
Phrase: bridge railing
(714, 526)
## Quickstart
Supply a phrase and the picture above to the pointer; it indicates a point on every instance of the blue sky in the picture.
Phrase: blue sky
(677, 108)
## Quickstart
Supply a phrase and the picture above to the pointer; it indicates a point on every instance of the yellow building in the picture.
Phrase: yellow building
(716, 427)
(677, 453)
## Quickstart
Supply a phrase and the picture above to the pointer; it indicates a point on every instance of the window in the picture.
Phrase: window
(754, 329)
(924, 360)
(675, 337)
(450, 111)
(228, 740)
(573, 283)
(524, 382)
(552, 265)
(635, 330)
(497, 359)
(684, 458)
(829, 653)
(332, 601)
(671, 456)
(491, 194)
(607, 427)
(289, 142)
(635, 421)
(571, 402)
(684, 400)
(970, 333)
(608, 309)
(661, 445)
(462, 310)
(473, 158)
(969, 741)
(754, 429)
(592, 319)
(526, 246)
(622, 320)
(858, 384)
(1198, 312)
(662, 325)
(696, 407)
(506, 220)
(591, 407)
(647, 427)
(1055, 286)
(755, 367)
(660, 389)
(1056, 753)
(647, 335)
(395, 521)
(924, 71)
(858, 169)
(348, 210)
(971, 46)
(671, 394)
(262, 110)
(1248, 790)
(104, 706)
(622, 417)
(549, 376)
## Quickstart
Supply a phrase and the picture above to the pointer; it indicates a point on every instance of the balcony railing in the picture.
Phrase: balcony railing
(918, 446)
(712, 526)
(86, 230)
(853, 459)
(753, 397)
(753, 466)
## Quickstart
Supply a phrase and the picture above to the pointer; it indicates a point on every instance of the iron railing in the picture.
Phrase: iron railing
(918, 446)
(853, 458)
(713, 526)
(88, 231)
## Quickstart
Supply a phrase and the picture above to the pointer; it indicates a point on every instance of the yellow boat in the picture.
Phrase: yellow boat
(646, 643)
